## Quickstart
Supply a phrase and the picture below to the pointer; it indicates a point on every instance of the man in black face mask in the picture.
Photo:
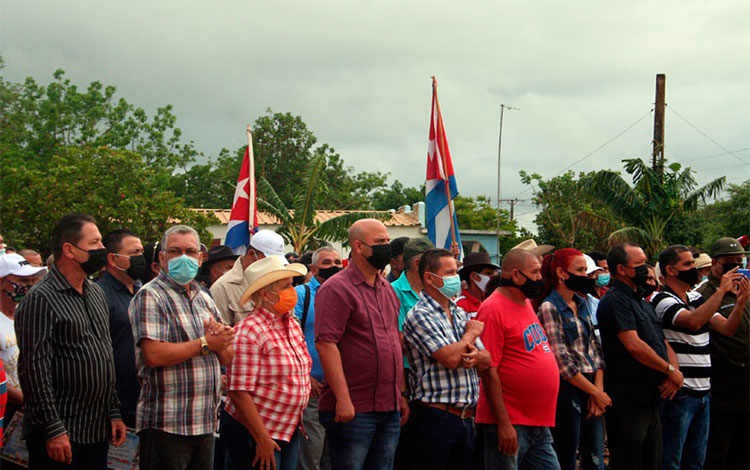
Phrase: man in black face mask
(686, 317)
(326, 262)
(125, 271)
(641, 365)
(66, 366)
(729, 433)
(356, 334)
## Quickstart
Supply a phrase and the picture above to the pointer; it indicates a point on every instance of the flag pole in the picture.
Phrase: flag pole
(252, 215)
(441, 146)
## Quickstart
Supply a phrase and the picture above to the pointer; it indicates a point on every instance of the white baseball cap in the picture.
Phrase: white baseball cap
(15, 264)
(269, 243)
(591, 265)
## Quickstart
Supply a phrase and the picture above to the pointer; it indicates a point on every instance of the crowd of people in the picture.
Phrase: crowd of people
(399, 357)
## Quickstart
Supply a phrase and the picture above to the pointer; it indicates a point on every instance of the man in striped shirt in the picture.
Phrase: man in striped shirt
(444, 351)
(66, 367)
(686, 318)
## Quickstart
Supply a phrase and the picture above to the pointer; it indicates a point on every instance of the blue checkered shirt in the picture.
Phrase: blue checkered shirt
(426, 330)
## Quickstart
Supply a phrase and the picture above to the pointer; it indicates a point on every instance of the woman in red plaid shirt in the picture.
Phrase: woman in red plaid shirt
(268, 382)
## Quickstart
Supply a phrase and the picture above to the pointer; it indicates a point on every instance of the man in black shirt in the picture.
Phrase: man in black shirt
(126, 268)
(65, 366)
(641, 366)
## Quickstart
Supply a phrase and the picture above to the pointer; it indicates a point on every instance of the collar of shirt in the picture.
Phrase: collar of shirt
(313, 284)
(118, 285)
(433, 305)
(402, 284)
(470, 298)
(624, 288)
(236, 275)
(60, 282)
(194, 286)
(275, 320)
(357, 277)
(564, 309)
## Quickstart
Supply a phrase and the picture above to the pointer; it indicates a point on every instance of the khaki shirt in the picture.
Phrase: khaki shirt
(227, 291)
(730, 355)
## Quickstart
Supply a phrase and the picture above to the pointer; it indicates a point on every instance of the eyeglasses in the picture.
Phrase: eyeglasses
(179, 252)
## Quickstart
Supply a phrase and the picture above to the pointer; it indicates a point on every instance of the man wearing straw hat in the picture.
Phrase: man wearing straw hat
(538, 250)
(268, 382)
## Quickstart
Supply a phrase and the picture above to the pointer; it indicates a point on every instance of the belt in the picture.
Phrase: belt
(463, 413)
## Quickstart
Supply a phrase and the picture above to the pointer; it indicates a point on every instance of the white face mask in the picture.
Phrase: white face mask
(482, 282)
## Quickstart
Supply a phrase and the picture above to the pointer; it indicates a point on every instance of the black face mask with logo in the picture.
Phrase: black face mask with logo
(18, 292)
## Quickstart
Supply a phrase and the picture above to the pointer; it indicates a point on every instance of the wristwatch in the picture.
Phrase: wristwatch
(670, 368)
(204, 346)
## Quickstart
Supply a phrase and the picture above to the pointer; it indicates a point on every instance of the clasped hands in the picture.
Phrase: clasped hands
(218, 335)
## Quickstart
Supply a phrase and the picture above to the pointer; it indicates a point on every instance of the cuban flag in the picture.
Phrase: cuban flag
(244, 216)
(440, 188)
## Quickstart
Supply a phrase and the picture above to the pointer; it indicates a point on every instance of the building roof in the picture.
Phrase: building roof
(398, 219)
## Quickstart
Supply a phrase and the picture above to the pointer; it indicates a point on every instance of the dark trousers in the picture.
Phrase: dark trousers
(634, 434)
(573, 431)
(241, 447)
(165, 451)
(440, 440)
(85, 456)
(728, 440)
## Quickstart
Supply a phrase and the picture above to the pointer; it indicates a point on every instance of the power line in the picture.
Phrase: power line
(706, 135)
(596, 149)
(715, 155)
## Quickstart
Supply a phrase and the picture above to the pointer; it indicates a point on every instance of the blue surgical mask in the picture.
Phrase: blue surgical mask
(182, 269)
(602, 279)
(451, 285)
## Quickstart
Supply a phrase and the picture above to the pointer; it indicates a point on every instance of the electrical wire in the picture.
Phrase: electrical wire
(706, 135)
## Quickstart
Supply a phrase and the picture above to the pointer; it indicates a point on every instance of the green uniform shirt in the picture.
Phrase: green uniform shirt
(730, 356)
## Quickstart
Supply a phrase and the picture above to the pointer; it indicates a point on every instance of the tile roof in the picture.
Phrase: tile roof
(398, 219)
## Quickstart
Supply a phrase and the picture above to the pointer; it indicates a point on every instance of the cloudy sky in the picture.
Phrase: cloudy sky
(359, 74)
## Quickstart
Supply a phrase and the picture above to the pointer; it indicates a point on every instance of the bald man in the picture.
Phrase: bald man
(356, 335)
(519, 390)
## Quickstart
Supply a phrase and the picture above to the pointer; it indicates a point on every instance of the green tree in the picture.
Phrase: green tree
(299, 227)
(114, 186)
(37, 120)
(728, 217)
(396, 195)
(477, 213)
(210, 185)
(570, 216)
(656, 198)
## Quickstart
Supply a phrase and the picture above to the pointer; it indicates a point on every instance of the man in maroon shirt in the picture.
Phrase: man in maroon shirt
(357, 337)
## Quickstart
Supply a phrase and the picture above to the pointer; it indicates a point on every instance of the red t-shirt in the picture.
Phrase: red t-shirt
(524, 361)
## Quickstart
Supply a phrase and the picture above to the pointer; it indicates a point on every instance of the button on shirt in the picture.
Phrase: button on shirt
(118, 300)
(362, 320)
(66, 366)
(272, 364)
(622, 309)
(179, 399)
(426, 330)
(227, 291)
(317, 369)
(571, 337)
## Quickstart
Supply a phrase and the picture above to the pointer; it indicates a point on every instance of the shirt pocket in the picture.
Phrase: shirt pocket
(570, 329)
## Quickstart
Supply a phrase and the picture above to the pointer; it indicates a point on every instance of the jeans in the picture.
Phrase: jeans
(684, 424)
(241, 447)
(634, 434)
(534, 451)
(312, 451)
(161, 450)
(367, 442)
(85, 456)
(440, 440)
(573, 431)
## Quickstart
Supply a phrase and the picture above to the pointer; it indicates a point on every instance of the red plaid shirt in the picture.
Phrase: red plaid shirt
(271, 362)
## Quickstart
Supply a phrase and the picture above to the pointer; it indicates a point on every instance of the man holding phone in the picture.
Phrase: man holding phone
(729, 431)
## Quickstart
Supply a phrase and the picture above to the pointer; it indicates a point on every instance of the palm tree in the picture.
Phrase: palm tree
(656, 197)
(298, 225)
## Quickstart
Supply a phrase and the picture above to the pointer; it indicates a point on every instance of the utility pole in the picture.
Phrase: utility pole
(503, 107)
(657, 157)
(512, 203)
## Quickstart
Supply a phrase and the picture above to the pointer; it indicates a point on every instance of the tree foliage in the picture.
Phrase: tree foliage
(112, 185)
(657, 197)
(570, 216)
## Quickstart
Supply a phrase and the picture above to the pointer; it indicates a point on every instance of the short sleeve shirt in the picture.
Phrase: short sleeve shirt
(525, 364)
(362, 321)
(622, 309)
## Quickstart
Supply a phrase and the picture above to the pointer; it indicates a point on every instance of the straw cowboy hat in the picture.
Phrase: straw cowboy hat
(530, 245)
(267, 271)
(702, 261)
